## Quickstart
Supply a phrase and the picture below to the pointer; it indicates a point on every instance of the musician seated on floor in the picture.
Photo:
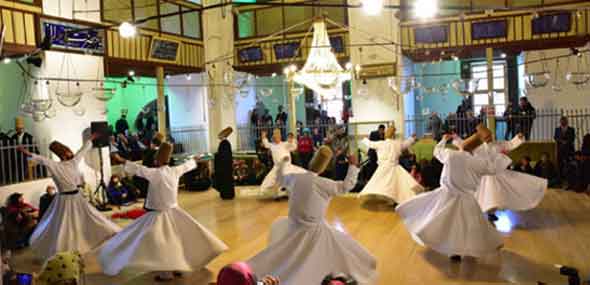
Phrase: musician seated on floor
(46, 199)
(544, 168)
(21, 219)
(524, 165)
(119, 193)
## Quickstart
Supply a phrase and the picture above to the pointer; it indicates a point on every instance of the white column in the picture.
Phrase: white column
(219, 39)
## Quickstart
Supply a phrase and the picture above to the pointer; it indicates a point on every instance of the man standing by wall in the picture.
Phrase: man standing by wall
(20, 163)
(564, 137)
(526, 116)
(435, 126)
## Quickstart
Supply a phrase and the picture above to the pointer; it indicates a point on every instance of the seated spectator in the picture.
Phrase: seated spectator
(240, 273)
(417, 174)
(524, 165)
(240, 172)
(407, 159)
(119, 194)
(339, 279)
(199, 179)
(21, 219)
(46, 200)
(575, 174)
(305, 148)
(546, 169)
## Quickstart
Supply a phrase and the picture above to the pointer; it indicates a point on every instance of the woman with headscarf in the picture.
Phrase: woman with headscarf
(166, 239)
(391, 181)
(240, 273)
(302, 247)
(70, 222)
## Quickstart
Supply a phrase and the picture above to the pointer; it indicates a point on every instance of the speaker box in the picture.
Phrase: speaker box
(466, 70)
(101, 129)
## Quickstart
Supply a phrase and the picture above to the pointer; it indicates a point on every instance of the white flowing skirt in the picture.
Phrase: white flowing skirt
(273, 182)
(450, 222)
(392, 182)
(70, 223)
(168, 240)
(510, 190)
(305, 254)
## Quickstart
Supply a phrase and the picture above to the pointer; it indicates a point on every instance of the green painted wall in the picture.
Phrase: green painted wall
(11, 89)
(132, 98)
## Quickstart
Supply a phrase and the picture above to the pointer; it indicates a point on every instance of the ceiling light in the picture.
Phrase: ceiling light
(426, 9)
(455, 58)
(274, 74)
(372, 7)
(131, 73)
(127, 30)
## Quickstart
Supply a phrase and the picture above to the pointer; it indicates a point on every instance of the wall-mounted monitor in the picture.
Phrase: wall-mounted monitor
(489, 29)
(286, 50)
(250, 54)
(432, 34)
(164, 50)
(337, 44)
(552, 23)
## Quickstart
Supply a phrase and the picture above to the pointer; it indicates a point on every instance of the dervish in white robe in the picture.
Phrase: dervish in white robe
(70, 222)
(272, 185)
(508, 189)
(166, 238)
(449, 219)
(303, 248)
(391, 180)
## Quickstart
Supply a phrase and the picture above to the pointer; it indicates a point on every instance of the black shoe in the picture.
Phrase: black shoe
(456, 258)
(492, 217)
(158, 278)
(177, 274)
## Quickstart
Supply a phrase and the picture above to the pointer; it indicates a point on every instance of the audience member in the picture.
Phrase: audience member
(407, 160)
(21, 219)
(417, 174)
(576, 179)
(318, 139)
(435, 126)
(450, 125)
(240, 273)
(20, 163)
(508, 116)
(524, 165)
(564, 136)
(118, 194)
(281, 116)
(305, 148)
(46, 200)
(544, 168)
(526, 116)
(122, 126)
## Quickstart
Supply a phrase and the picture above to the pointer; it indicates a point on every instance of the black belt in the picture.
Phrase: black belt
(70, 192)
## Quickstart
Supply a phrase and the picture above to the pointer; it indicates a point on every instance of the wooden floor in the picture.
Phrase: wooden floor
(557, 232)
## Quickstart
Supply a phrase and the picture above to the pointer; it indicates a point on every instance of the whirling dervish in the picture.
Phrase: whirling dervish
(507, 189)
(70, 222)
(449, 219)
(303, 248)
(390, 180)
(280, 150)
(165, 239)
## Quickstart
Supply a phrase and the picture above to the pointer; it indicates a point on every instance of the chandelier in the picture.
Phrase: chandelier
(321, 73)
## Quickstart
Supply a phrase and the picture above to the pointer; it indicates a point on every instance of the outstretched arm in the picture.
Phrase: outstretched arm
(34, 157)
(372, 144)
(440, 151)
(331, 188)
(409, 142)
(85, 148)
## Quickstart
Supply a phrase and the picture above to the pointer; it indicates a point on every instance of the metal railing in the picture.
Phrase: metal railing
(191, 140)
(15, 167)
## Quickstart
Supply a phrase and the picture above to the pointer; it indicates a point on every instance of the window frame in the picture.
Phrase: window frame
(181, 4)
(485, 91)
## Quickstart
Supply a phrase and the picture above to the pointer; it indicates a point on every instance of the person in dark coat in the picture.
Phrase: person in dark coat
(371, 165)
(121, 126)
(46, 200)
(564, 136)
(526, 116)
(223, 179)
(508, 116)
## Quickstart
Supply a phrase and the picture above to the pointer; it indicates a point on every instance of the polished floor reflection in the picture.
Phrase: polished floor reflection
(557, 232)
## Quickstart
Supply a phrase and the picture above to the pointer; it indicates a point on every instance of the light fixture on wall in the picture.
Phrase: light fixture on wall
(372, 7)
(426, 9)
(131, 73)
(6, 60)
(127, 30)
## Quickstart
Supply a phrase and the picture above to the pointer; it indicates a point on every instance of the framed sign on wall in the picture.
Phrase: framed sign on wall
(164, 50)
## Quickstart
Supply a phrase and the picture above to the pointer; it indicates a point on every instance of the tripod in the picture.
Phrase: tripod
(101, 188)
